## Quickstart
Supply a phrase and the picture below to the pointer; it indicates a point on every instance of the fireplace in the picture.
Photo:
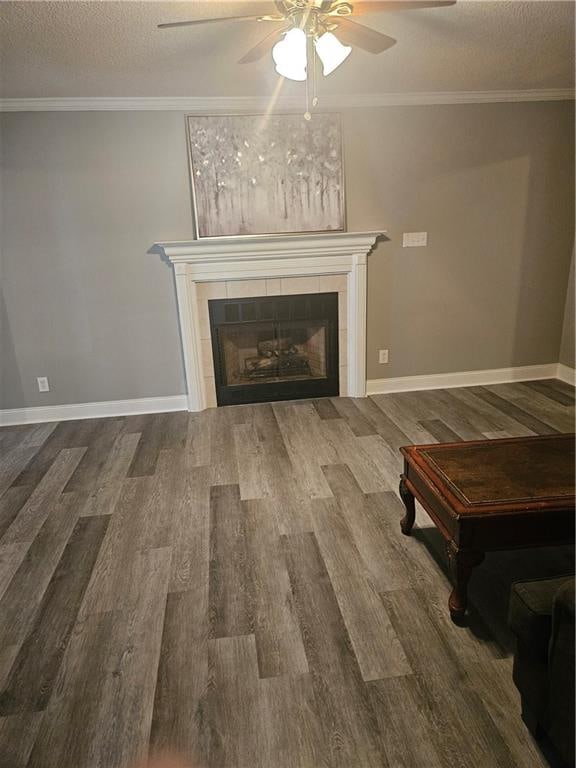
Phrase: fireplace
(272, 266)
(269, 348)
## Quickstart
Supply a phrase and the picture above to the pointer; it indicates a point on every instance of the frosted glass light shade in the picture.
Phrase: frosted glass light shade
(290, 55)
(331, 51)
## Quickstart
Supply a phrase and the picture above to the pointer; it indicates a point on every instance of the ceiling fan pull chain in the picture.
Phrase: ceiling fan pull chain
(314, 80)
(309, 55)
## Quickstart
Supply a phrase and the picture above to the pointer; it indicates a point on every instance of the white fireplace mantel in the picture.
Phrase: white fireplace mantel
(269, 257)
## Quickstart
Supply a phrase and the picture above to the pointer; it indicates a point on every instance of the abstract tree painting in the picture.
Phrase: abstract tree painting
(256, 174)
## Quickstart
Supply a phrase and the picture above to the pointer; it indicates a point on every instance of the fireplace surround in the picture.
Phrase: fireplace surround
(270, 348)
(266, 266)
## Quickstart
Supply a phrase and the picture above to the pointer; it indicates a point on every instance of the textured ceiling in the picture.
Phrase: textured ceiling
(51, 49)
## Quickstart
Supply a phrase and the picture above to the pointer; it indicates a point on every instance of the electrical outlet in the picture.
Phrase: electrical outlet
(382, 356)
(43, 385)
(414, 239)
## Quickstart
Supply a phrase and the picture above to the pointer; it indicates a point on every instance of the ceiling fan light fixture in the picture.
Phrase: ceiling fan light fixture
(290, 55)
(331, 52)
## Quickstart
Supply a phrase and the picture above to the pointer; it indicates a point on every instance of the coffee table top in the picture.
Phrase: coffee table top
(488, 475)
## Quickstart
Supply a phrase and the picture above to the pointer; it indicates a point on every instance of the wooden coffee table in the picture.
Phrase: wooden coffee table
(489, 495)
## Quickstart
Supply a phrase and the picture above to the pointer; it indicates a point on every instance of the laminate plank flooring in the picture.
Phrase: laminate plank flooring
(440, 431)
(345, 710)
(404, 417)
(67, 434)
(376, 646)
(489, 681)
(14, 462)
(326, 409)
(231, 589)
(149, 445)
(497, 417)
(26, 588)
(29, 685)
(498, 399)
(293, 734)
(278, 635)
(384, 425)
(236, 726)
(359, 455)
(90, 466)
(551, 392)
(31, 517)
(462, 729)
(11, 502)
(467, 422)
(106, 489)
(11, 555)
(558, 415)
(233, 586)
(191, 535)
(384, 562)
(17, 736)
(404, 727)
(109, 698)
(358, 423)
(180, 720)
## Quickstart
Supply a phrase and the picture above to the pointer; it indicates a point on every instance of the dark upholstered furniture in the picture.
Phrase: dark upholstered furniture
(542, 619)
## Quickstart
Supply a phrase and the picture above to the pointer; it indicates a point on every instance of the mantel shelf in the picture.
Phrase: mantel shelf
(255, 247)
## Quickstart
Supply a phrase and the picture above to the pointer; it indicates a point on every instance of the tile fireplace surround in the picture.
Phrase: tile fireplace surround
(270, 265)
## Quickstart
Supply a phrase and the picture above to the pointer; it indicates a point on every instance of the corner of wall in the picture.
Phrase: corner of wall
(567, 349)
(3, 323)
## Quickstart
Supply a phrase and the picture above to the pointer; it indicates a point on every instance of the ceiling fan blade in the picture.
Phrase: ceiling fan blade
(197, 22)
(379, 6)
(352, 33)
(262, 48)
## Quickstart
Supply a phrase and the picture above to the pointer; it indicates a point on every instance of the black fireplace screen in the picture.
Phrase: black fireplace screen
(275, 348)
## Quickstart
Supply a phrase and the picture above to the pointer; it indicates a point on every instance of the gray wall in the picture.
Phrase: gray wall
(493, 185)
(86, 194)
(568, 343)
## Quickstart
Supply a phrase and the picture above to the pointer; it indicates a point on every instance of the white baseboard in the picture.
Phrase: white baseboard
(464, 379)
(566, 374)
(36, 415)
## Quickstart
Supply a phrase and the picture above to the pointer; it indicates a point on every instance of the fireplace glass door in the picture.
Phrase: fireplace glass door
(275, 348)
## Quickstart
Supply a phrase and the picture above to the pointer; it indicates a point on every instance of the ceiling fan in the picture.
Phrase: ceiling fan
(308, 26)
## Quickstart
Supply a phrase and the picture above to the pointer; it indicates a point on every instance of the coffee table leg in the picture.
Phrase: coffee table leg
(462, 561)
(407, 522)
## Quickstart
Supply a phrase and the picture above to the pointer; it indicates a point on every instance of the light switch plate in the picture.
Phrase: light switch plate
(414, 239)
(43, 385)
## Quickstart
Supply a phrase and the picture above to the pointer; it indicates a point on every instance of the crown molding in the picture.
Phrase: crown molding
(257, 103)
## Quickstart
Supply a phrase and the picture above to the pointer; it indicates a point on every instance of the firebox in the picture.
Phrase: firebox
(275, 347)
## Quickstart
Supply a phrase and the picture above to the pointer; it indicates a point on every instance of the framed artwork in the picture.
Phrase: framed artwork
(262, 174)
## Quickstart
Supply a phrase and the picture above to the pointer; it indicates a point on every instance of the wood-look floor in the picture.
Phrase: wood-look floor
(233, 585)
